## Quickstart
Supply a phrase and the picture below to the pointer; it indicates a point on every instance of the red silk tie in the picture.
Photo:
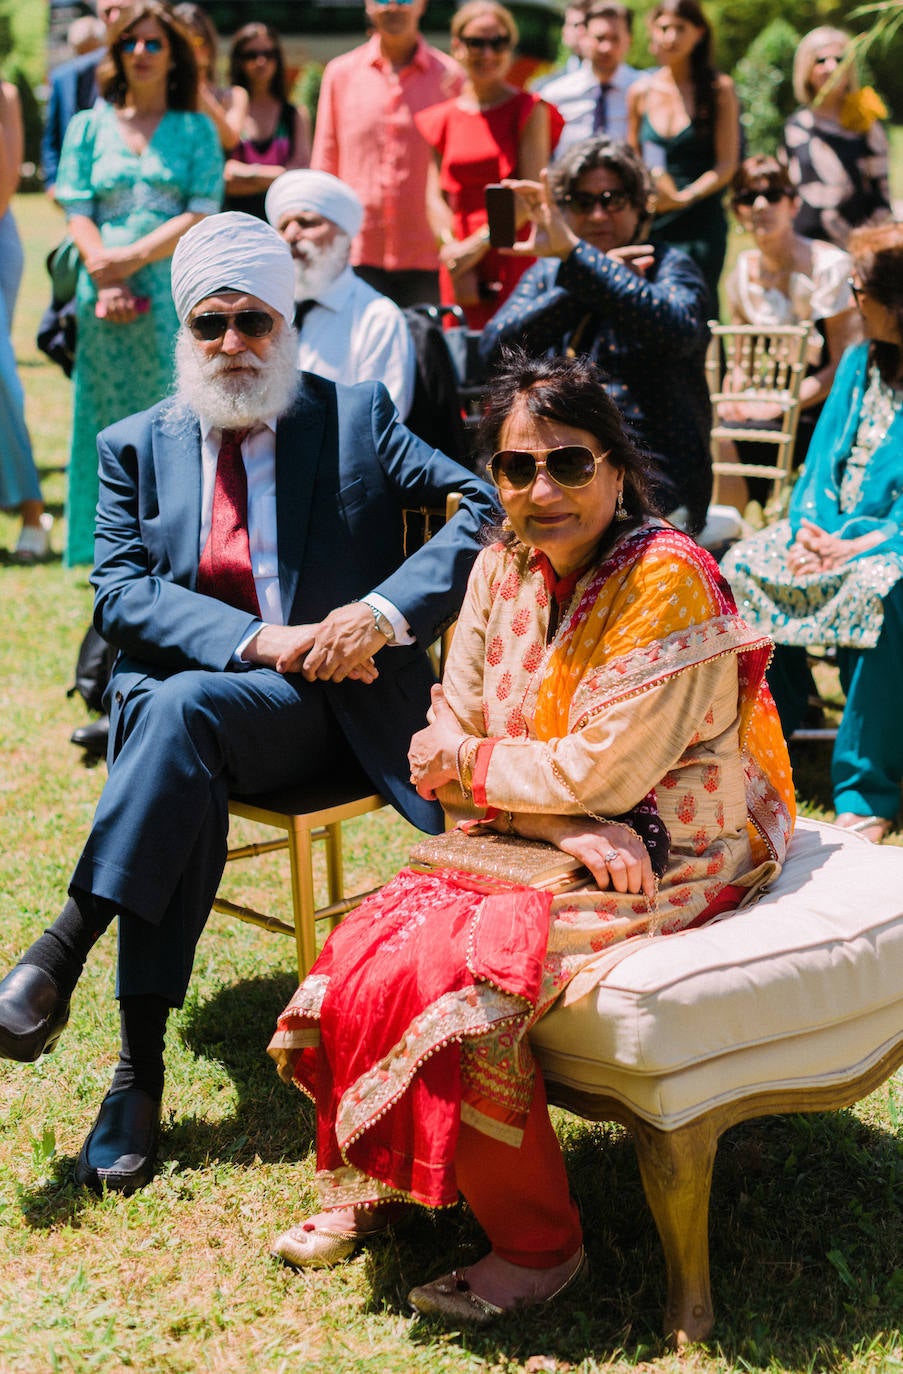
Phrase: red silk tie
(225, 567)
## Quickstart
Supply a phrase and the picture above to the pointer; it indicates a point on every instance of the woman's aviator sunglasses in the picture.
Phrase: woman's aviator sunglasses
(254, 324)
(150, 45)
(259, 55)
(498, 43)
(572, 465)
(773, 194)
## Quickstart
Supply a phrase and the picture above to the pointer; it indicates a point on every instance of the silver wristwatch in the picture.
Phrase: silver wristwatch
(382, 622)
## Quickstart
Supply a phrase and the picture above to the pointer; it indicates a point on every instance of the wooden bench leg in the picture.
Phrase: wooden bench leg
(676, 1169)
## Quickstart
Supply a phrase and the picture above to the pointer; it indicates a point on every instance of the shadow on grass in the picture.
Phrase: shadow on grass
(806, 1251)
(272, 1122)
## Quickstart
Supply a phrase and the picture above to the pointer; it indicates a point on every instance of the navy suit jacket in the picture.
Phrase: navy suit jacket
(73, 87)
(345, 468)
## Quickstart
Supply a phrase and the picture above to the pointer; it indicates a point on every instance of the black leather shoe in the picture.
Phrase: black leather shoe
(119, 1153)
(93, 736)
(32, 1014)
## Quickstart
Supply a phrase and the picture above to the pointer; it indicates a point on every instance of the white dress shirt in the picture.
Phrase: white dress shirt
(258, 453)
(355, 334)
(574, 96)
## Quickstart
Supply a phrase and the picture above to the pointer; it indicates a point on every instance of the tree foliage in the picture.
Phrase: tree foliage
(764, 86)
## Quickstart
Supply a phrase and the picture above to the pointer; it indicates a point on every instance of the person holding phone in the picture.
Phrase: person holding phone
(136, 172)
(599, 290)
(490, 131)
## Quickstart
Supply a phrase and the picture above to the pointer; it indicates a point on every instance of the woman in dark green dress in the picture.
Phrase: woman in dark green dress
(684, 119)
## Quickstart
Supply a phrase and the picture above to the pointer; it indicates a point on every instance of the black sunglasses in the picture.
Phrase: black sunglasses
(748, 198)
(151, 45)
(572, 465)
(584, 202)
(499, 43)
(254, 324)
(265, 54)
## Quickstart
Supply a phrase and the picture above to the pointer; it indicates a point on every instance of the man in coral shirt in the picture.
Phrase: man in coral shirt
(365, 135)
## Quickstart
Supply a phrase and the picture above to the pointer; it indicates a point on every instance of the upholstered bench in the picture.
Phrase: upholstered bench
(793, 1005)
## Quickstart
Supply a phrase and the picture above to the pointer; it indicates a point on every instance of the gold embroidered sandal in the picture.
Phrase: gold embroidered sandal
(308, 1246)
(453, 1299)
(313, 1245)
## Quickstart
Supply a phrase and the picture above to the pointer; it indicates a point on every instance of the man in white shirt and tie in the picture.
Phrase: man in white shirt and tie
(593, 99)
(347, 331)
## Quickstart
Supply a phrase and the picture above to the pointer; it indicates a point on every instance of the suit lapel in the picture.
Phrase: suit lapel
(299, 440)
(177, 466)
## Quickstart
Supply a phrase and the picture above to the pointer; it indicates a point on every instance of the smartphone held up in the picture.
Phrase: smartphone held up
(500, 215)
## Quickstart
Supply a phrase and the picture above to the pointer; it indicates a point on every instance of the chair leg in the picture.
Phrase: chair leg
(335, 877)
(303, 901)
(676, 1169)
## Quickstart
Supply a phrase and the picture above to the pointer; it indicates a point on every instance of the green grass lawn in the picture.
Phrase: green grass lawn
(807, 1212)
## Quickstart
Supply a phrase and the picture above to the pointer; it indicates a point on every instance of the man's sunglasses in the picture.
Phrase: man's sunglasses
(498, 43)
(151, 45)
(261, 54)
(773, 195)
(584, 202)
(254, 324)
(572, 465)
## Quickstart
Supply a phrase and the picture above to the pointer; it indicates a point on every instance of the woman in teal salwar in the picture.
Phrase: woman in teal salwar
(134, 175)
(833, 573)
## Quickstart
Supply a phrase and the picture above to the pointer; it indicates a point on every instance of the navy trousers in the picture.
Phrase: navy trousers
(157, 848)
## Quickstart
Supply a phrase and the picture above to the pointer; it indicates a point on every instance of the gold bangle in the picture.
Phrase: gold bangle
(464, 764)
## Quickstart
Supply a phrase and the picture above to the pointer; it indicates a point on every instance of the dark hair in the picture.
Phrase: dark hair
(762, 167)
(196, 20)
(237, 72)
(572, 391)
(182, 81)
(877, 251)
(702, 71)
(591, 153)
(609, 9)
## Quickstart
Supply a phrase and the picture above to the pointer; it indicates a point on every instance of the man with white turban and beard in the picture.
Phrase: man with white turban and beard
(347, 331)
(249, 569)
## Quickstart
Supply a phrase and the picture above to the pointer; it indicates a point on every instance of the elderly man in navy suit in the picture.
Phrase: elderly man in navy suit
(249, 569)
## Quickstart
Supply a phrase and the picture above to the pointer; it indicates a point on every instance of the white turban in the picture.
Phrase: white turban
(318, 193)
(232, 252)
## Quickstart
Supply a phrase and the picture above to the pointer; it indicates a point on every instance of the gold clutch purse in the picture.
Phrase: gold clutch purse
(507, 857)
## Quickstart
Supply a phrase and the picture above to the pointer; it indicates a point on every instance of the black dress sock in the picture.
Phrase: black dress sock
(142, 1022)
(63, 948)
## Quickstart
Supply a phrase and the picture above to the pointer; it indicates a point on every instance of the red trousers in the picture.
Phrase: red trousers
(520, 1196)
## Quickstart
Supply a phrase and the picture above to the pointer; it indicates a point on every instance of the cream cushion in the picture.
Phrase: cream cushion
(803, 989)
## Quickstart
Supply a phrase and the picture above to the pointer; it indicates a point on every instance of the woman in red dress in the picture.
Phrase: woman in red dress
(490, 131)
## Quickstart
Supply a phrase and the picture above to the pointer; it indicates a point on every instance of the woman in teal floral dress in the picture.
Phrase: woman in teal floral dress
(134, 175)
(833, 572)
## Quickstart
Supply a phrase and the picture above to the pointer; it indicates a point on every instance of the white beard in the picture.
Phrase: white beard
(233, 399)
(317, 268)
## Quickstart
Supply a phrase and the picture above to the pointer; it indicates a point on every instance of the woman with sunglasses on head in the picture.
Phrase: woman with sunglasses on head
(835, 142)
(599, 670)
(685, 119)
(490, 131)
(833, 572)
(135, 173)
(275, 134)
(786, 279)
